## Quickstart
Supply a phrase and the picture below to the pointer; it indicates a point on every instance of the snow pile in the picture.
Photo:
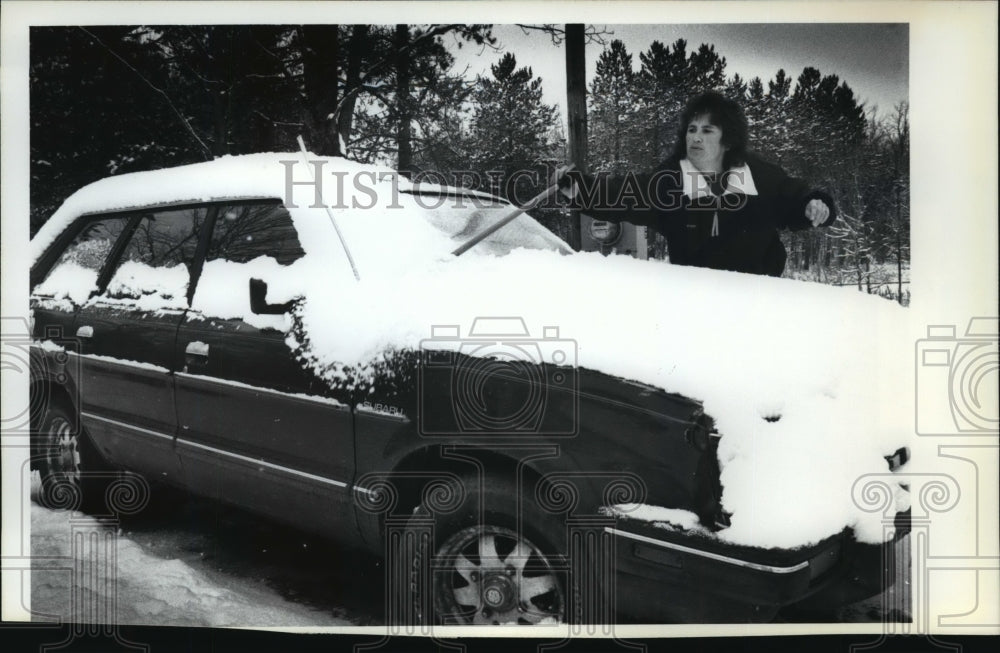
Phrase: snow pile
(141, 588)
(668, 518)
(814, 360)
(150, 288)
(69, 280)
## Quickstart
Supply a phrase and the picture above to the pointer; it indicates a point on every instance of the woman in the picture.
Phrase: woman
(717, 205)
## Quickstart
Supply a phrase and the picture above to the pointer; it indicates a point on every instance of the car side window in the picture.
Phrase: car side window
(75, 274)
(249, 230)
(154, 270)
(250, 240)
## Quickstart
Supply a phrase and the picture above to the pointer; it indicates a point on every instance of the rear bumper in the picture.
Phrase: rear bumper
(665, 577)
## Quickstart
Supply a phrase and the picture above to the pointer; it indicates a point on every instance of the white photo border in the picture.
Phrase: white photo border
(953, 104)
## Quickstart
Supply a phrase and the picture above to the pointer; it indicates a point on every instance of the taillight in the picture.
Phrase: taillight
(701, 434)
(898, 459)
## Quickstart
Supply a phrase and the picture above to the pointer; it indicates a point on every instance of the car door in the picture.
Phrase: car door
(256, 428)
(126, 333)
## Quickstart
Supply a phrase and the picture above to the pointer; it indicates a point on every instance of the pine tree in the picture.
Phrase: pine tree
(612, 111)
(667, 79)
(736, 89)
(659, 101)
(706, 70)
(511, 127)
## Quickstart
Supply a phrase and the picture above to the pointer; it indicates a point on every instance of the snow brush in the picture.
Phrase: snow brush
(329, 212)
(532, 203)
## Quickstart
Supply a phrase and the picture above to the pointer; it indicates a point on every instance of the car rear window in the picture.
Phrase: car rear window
(76, 271)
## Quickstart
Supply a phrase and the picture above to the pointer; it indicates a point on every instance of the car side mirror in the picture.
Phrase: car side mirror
(258, 300)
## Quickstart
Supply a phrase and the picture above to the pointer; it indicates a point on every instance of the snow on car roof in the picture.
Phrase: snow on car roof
(243, 177)
(748, 347)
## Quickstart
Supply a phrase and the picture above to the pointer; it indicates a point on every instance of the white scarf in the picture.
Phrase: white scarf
(696, 185)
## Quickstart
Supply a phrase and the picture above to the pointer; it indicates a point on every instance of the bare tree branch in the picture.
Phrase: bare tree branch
(166, 98)
(276, 122)
(286, 65)
(558, 34)
(435, 31)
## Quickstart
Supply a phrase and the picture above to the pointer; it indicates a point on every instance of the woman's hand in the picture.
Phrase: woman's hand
(817, 212)
(564, 177)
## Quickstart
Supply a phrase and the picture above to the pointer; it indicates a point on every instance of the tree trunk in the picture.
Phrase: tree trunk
(618, 140)
(321, 81)
(899, 250)
(357, 48)
(857, 261)
(404, 123)
(221, 76)
(220, 141)
(576, 105)
(821, 261)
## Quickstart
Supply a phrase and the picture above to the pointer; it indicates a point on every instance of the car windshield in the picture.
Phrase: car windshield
(462, 217)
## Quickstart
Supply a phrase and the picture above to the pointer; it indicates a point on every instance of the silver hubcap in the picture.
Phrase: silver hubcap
(65, 458)
(492, 576)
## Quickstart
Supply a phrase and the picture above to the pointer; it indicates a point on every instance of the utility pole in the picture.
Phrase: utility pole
(576, 108)
(585, 233)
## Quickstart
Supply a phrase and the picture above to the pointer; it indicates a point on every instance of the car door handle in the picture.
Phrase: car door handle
(85, 332)
(196, 348)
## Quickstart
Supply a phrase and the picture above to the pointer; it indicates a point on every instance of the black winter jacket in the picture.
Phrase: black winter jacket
(733, 228)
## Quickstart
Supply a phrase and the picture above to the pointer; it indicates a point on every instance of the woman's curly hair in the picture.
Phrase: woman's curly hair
(725, 114)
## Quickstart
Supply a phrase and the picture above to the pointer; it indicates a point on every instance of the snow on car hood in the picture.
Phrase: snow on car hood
(817, 358)
(749, 347)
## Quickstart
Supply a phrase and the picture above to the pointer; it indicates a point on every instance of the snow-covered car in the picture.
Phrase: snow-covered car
(528, 434)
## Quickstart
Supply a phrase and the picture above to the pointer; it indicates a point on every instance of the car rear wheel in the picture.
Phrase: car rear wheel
(73, 477)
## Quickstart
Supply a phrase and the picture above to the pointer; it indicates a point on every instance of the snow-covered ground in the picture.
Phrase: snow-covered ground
(167, 569)
(192, 562)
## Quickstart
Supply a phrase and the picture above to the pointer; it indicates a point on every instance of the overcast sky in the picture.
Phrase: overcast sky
(871, 57)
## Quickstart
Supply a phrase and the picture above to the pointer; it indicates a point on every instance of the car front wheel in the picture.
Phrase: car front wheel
(491, 575)
(480, 565)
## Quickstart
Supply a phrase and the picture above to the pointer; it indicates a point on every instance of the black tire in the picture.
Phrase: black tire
(475, 567)
(73, 475)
